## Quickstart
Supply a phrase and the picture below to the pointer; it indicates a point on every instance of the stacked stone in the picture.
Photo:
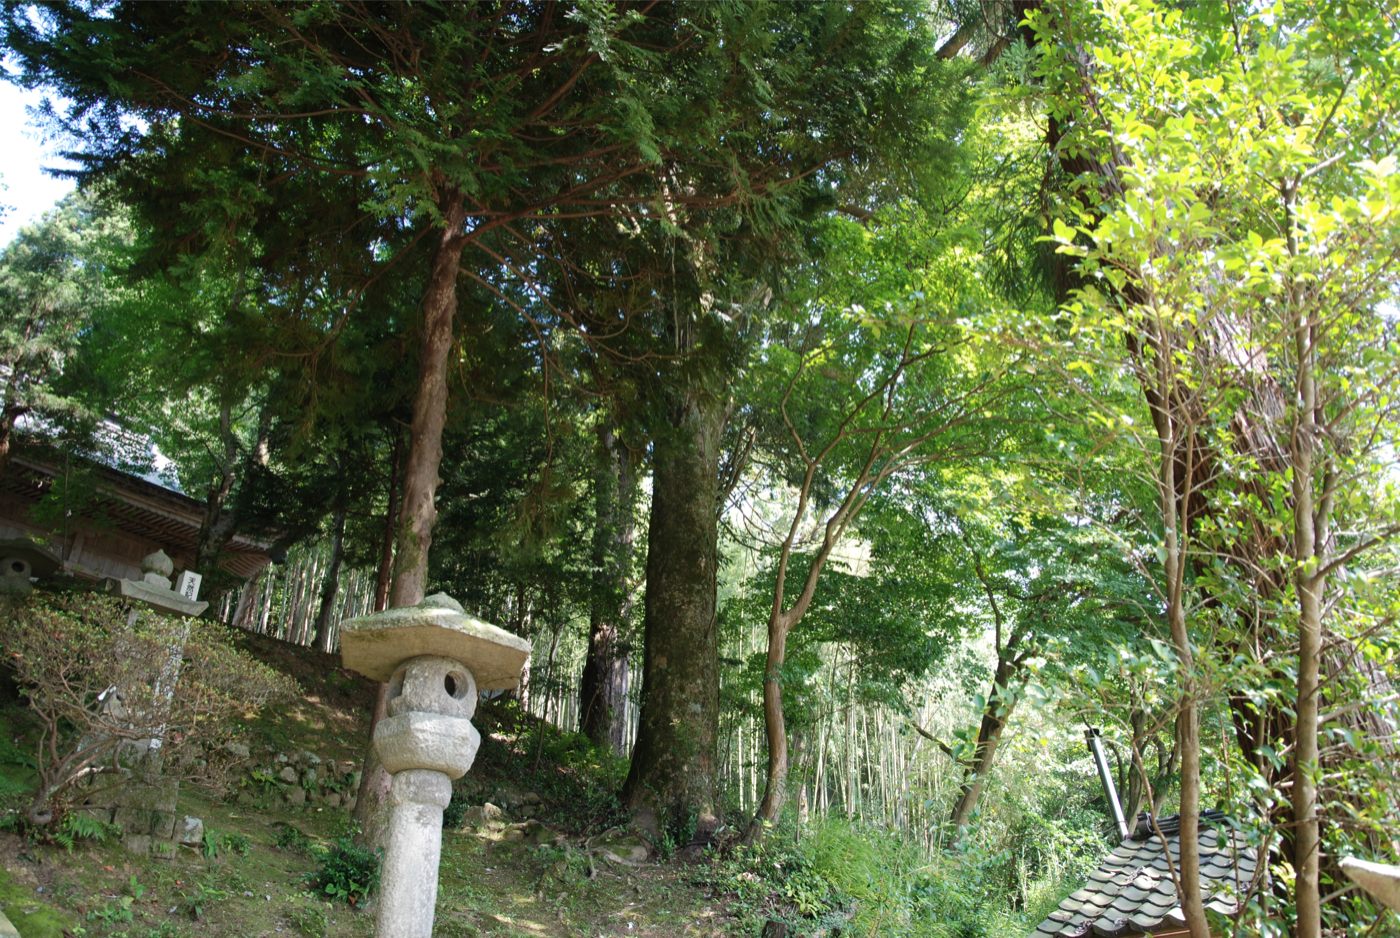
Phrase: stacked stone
(304, 778)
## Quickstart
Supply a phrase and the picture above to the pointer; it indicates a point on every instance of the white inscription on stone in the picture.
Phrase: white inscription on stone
(187, 585)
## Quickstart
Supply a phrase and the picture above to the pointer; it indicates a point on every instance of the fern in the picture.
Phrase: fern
(77, 827)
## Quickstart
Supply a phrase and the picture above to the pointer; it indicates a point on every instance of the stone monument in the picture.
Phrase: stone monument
(155, 589)
(146, 805)
(436, 659)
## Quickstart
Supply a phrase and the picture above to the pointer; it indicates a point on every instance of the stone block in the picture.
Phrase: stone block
(139, 844)
(163, 824)
(191, 832)
(288, 775)
(296, 796)
(133, 820)
(333, 799)
(7, 928)
(1381, 880)
(623, 847)
(163, 849)
(159, 597)
(426, 741)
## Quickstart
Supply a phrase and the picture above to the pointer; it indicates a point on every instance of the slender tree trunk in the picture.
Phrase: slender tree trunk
(386, 546)
(603, 687)
(1188, 729)
(417, 512)
(775, 728)
(672, 779)
(331, 585)
(1308, 586)
(989, 733)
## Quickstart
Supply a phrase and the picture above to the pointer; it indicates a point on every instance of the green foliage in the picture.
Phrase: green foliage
(228, 843)
(577, 782)
(76, 827)
(202, 895)
(51, 277)
(453, 814)
(776, 879)
(1233, 230)
(347, 871)
(119, 911)
(290, 837)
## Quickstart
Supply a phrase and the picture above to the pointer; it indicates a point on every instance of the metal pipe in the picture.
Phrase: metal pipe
(1094, 738)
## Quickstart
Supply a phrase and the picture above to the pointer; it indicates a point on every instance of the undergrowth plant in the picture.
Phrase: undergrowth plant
(776, 880)
(347, 871)
(77, 827)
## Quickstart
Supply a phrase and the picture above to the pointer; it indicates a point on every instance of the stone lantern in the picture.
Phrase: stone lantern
(155, 589)
(436, 659)
(21, 559)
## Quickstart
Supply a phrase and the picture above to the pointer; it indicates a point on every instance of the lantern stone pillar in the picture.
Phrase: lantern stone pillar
(436, 659)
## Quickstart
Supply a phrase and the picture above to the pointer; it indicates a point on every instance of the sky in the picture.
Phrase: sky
(27, 190)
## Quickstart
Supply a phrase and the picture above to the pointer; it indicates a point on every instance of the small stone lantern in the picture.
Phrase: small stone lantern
(20, 559)
(436, 659)
(154, 587)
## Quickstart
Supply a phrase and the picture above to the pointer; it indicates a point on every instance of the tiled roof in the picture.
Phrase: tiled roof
(1132, 892)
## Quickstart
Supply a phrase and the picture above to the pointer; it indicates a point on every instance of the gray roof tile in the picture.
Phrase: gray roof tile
(1132, 890)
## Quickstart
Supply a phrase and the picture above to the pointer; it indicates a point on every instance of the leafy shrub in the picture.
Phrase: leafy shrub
(103, 676)
(119, 910)
(576, 781)
(775, 879)
(348, 872)
(291, 838)
(226, 842)
(876, 869)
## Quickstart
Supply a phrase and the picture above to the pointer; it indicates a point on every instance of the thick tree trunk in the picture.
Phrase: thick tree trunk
(221, 516)
(672, 779)
(242, 615)
(8, 416)
(420, 481)
(331, 585)
(418, 512)
(603, 688)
